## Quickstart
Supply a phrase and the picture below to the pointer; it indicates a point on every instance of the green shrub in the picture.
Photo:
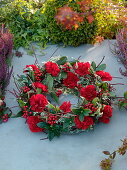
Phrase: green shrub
(24, 21)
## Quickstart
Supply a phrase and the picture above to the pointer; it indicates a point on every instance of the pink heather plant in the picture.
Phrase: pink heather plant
(121, 38)
(6, 45)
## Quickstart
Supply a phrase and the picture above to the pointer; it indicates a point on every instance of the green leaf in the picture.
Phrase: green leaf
(73, 62)
(77, 111)
(51, 135)
(66, 123)
(93, 64)
(39, 90)
(62, 60)
(49, 82)
(95, 100)
(31, 73)
(125, 94)
(53, 95)
(101, 67)
(19, 114)
(81, 117)
(21, 103)
(105, 86)
(63, 75)
(43, 125)
(86, 112)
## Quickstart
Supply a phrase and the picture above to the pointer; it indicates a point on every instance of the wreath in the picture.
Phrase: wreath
(41, 87)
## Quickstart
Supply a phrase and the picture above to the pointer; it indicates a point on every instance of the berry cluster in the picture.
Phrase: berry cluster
(25, 89)
(58, 93)
(37, 74)
(52, 119)
(91, 107)
(26, 113)
(5, 118)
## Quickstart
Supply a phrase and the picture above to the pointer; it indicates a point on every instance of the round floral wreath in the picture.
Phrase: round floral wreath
(59, 76)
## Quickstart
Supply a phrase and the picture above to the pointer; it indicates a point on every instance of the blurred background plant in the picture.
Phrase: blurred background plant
(6, 45)
(39, 21)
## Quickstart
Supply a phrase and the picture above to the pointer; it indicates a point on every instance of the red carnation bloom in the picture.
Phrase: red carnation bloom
(34, 67)
(41, 86)
(107, 114)
(89, 92)
(32, 123)
(104, 119)
(105, 76)
(71, 80)
(38, 102)
(82, 68)
(107, 111)
(88, 121)
(66, 107)
(52, 68)
(59, 92)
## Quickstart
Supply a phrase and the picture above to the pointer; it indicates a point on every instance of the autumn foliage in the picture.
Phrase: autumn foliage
(69, 19)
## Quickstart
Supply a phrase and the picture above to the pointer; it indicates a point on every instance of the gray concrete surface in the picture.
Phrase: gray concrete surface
(22, 150)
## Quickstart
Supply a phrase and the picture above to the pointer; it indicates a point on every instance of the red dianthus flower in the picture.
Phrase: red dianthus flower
(107, 114)
(85, 124)
(41, 86)
(66, 107)
(34, 67)
(32, 123)
(71, 80)
(52, 68)
(105, 76)
(38, 102)
(82, 68)
(89, 92)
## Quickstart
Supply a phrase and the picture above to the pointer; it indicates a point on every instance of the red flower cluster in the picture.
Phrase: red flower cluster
(87, 122)
(107, 114)
(41, 86)
(33, 67)
(52, 68)
(82, 68)
(38, 102)
(68, 18)
(37, 72)
(71, 80)
(66, 107)
(105, 76)
(32, 123)
(89, 92)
